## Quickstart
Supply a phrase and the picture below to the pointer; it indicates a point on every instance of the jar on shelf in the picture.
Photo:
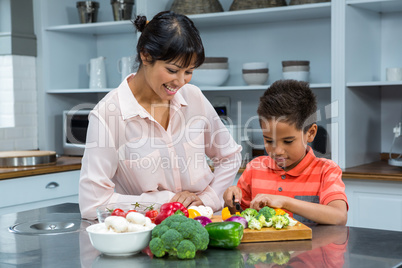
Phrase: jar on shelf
(253, 4)
(189, 7)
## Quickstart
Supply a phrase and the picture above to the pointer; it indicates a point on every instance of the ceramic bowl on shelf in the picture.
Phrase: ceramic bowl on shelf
(303, 68)
(255, 73)
(118, 244)
(299, 75)
(287, 63)
(105, 211)
(209, 77)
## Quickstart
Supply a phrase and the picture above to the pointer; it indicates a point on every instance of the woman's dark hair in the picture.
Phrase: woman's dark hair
(169, 37)
(290, 101)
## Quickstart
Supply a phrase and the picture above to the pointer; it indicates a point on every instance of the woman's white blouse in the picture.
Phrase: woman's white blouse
(130, 157)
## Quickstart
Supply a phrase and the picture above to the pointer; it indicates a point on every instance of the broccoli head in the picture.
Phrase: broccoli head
(255, 224)
(279, 221)
(178, 236)
(249, 213)
(267, 212)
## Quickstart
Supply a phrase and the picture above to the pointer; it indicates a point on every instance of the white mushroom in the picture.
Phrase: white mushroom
(132, 227)
(117, 224)
(136, 217)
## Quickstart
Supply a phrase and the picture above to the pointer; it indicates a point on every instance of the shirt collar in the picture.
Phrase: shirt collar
(130, 107)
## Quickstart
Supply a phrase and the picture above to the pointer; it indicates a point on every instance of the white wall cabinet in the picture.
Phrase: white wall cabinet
(349, 45)
(38, 191)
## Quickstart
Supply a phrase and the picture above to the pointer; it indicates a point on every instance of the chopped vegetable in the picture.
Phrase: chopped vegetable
(226, 213)
(203, 220)
(249, 213)
(226, 234)
(178, 236)
(239, 219)
(279, 221)
(192, 213)
(267, 212)
(169, 209)
(253, 223)
(279, 211)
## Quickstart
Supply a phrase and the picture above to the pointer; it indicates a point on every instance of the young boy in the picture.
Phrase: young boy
(291, 177)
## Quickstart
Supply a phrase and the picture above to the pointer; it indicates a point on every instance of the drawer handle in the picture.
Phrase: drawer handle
(52, 185)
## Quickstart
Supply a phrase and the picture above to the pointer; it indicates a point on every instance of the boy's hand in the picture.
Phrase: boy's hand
(262, 200)
(228, 197)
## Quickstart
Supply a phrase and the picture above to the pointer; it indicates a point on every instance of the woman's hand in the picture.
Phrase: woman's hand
(228, 197)
(187, 199)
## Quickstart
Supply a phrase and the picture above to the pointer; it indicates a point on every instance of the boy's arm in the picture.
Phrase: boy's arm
(335, 212)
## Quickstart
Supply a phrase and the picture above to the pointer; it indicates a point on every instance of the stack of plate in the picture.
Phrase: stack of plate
(296, 70)
(213, 72)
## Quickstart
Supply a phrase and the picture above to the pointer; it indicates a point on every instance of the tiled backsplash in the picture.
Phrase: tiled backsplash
(18, 103)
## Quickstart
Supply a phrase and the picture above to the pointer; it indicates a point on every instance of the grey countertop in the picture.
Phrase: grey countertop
(331, 246)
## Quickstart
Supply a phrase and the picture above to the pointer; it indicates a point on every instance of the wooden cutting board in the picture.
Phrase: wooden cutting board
(297, 232)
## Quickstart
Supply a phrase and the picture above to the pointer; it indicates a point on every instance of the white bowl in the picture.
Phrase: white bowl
(255, 65)
(209, 77)
(300, 76)
(118, 244)
(142, 207)
(214, 65)
(303, 68)
(255, 78)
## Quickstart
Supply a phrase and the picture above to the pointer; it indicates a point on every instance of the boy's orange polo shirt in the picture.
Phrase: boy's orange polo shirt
(314, 179)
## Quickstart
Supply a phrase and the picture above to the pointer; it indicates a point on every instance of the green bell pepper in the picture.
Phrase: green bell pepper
(224, 234)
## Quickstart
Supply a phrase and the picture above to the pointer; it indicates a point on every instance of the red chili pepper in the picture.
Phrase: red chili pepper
(169, 209)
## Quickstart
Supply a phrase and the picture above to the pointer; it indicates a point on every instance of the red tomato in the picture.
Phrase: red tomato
(152, 215)
(118, 212)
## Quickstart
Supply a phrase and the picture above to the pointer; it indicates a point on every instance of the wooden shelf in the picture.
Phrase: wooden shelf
(382, 6)
(232, 18)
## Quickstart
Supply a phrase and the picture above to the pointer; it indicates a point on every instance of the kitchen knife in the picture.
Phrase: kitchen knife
(237, 205)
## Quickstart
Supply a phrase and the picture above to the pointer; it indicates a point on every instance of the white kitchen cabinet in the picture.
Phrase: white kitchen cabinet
(374, 204)
(349, 45)
(31, 192)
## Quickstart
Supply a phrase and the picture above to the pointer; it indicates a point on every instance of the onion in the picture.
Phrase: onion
(239, 219)
(203, 220)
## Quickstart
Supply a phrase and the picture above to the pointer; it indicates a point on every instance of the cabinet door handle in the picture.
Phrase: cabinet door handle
(52, 185)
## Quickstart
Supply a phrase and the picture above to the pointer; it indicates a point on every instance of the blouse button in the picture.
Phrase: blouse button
(280, 189)
(283, 177)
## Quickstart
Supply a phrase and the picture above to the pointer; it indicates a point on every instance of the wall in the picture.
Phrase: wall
(18, 103)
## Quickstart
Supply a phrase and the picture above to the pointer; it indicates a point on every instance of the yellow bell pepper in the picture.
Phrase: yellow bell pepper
(192, 213)
(226, 213)
(279, 211)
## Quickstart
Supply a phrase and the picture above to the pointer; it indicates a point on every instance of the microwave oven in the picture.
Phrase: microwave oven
(75, 126)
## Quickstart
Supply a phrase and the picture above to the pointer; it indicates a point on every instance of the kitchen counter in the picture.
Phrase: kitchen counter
(374, 171)
(331, 246)
(63, 163)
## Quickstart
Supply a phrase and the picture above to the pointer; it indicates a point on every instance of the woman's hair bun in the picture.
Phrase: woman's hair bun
(140, 22)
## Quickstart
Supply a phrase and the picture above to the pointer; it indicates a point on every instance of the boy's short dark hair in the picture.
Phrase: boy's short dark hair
(290, 101)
